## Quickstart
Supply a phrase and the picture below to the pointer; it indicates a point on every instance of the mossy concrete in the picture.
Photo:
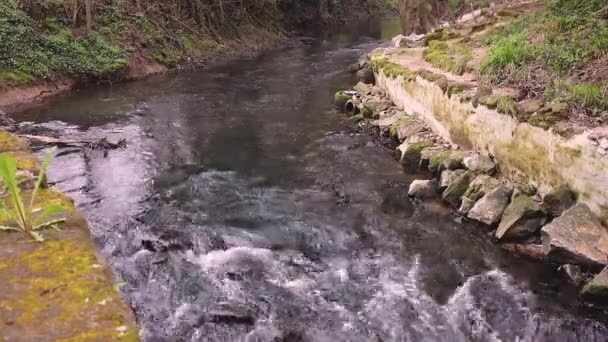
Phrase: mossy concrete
(59, 290)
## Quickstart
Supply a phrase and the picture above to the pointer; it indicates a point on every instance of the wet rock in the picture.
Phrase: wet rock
(409, 128)
(437, 159)
(366, 75)
(448, 177)
(490, 207)
(466, 205)
(532, 251)
(481, 185)
(453, 193)
(428, 154)
(596, 291)
(454, 161)
(479, 163)
(573, 272)
(413, 151)
(559, 200)
(577, 237)
(522, 218)
(423, 188)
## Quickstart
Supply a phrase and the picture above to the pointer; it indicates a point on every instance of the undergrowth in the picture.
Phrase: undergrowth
(561, 41)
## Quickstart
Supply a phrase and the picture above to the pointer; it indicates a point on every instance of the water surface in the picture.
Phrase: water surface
(244, 209)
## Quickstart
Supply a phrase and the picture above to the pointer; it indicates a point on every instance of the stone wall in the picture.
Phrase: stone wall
(524, 152)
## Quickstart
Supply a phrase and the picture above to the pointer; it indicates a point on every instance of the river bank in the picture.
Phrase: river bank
(48, 49)
(536, 187)
(59, 290)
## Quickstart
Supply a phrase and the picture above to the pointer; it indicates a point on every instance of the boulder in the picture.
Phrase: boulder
(522, 218)
(481, 185)
(366, 75)
(409, 128)
(449, 176)
(429, 153)
(479, 163)
(466, 206)
(453, 193)
(559, 200)
(454, 161)
(596, 290)
(423, 188)
(577, 237)
(411, 153)
(490, 207)
(435, 164)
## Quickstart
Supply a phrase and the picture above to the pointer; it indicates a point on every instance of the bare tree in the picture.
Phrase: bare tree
(416, 16)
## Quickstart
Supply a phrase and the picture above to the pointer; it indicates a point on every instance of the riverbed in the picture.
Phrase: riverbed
(245, 208)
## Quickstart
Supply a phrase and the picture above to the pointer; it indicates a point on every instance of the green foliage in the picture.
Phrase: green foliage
(34, 49)
(451, 57)
(26, 218)
(569, 33)
(510, 51)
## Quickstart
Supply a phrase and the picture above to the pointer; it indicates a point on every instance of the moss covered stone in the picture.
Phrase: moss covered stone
(454, 192)
(436, 162)
(391, 69)
(522, 218)
(340, 99)
(412, 153)
(596, 290)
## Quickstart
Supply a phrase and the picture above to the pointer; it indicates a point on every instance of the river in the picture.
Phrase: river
(244, 209)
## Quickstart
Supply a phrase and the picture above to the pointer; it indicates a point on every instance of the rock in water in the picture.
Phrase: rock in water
(454, 161)
(453, 193)
(423, 188)
(480, 186)
(448, 177)
(466, 205)
(577, 237)
(559, 200)
(490, 207)
(596, 290)
(522, 218)
(366, 75)
(534, 252)
(479, 163)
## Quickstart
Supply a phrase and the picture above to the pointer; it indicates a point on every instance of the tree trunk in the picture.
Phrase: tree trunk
(416, 16)
(89, 15)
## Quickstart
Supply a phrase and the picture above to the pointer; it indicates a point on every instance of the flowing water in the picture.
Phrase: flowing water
(243, 209)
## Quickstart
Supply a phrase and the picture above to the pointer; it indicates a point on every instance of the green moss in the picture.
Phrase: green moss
(391, 69)
(394, 130)
(413, 151)
(367, 112)
(340, 99)
(10, 142)
(357, 118)
(451, 57)
(438, 159)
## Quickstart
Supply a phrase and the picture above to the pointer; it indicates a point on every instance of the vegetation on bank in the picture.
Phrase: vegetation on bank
(556, 56)
(100, 38)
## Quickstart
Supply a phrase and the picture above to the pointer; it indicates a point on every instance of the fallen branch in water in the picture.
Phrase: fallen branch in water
(101, 144)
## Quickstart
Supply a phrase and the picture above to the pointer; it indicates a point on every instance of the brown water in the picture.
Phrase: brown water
(244, 210)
